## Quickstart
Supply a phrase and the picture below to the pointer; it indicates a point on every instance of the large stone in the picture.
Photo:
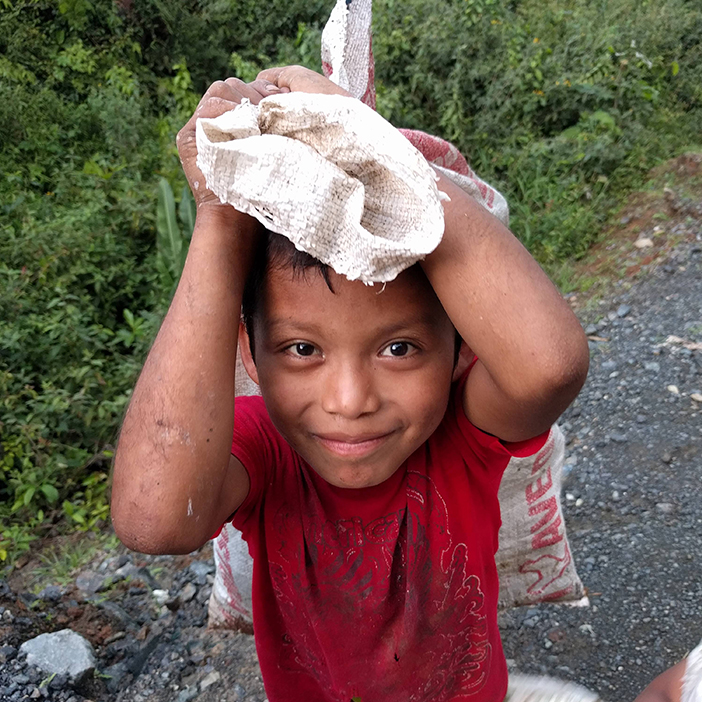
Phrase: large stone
(64, 653)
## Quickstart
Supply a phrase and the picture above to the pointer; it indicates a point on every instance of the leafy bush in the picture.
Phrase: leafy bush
(563, 104)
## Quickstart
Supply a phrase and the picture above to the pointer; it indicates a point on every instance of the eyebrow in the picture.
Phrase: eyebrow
(426, 321)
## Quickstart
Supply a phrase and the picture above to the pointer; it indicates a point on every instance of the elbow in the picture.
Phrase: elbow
(152, 533)
(565, 372)
(553, 378)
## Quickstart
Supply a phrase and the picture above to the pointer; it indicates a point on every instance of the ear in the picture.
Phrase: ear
(245, 353)
(465, 358)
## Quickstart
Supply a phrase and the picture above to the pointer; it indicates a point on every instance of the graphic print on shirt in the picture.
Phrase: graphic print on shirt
(395, 599)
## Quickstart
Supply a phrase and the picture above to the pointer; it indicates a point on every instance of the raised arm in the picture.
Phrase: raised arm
(174, 480)
(533, 354)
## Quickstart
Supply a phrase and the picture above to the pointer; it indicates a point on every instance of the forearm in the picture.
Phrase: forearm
(531, 347)
(176, 437)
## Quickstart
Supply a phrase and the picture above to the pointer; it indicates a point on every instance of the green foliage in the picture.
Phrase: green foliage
(172, 243)
(91, 97)
(564, 105)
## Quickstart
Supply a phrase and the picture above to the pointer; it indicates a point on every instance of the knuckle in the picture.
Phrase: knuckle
(216, 88)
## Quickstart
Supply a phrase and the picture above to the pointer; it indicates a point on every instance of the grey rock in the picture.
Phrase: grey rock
(640, 419)
(190, 693)
(204, 594)
(591, 330)
(118, 613)
(20, 679)
(118, 675)
(129, 570)
(52, 593)
(7, 653)
(210, 679)
(59, 681)
(62, 652)
(652, 366)
(609, 365)
(200, 571)
(90, 582)
(619, 438)
(665, 507)
(623, 310)
(187, 593)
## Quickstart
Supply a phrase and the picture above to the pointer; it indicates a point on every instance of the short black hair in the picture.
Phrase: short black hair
(274, 250)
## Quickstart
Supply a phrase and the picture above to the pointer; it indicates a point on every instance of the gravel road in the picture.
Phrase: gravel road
(633, 501)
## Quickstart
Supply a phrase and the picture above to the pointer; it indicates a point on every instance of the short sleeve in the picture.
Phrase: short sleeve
(259, 447)
(485, 445)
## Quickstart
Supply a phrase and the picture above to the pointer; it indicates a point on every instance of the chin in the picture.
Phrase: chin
(355, 479)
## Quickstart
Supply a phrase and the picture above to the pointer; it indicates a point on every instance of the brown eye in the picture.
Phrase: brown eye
(303, 349)
(397, 349)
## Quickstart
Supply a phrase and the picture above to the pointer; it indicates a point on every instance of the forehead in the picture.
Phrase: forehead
(293, 299)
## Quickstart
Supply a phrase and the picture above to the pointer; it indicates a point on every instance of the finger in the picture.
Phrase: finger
(213, 107)
(283, 76)
(249, 90)
(226, 91)
(266, 89)
(271, 75)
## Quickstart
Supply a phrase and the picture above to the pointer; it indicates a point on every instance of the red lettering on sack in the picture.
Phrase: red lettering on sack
(536, 490)
(552, 534)
(544, 457)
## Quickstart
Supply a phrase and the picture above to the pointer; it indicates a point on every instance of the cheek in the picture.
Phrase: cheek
(285, 394)
(426, 399)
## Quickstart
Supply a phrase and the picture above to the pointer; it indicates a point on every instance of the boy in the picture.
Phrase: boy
(365, 481)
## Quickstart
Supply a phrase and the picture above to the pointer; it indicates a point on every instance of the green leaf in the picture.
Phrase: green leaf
(50, 491)
(187, 211)
(170, 240)
(28, 494)
(675, 66)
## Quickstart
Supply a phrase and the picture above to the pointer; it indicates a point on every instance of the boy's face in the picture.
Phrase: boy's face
(355, 379)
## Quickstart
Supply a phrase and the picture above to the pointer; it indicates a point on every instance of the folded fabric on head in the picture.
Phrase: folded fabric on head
(331, 175)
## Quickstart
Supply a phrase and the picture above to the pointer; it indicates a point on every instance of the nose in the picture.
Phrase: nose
(350, 390)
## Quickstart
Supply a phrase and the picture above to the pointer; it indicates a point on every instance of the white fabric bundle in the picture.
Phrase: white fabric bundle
(331, 175)
(692, 680)
(529, 688)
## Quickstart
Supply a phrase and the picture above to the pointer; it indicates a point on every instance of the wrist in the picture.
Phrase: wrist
(222, 216)
(231, 232)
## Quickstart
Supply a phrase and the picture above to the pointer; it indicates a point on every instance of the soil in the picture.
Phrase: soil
(632, 497)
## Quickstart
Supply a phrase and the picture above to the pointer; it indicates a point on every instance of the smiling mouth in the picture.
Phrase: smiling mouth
(352, 446)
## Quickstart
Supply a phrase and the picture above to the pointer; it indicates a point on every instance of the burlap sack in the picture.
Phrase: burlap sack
(534, 560)
(331, 175)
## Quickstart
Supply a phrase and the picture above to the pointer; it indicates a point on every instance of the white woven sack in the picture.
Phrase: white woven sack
(530, 688)
(692, 680)
(534, 562)
(331, 175)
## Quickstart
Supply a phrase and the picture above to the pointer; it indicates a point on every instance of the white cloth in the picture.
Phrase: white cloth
(692, 680)
(530, 688)
(331, 175)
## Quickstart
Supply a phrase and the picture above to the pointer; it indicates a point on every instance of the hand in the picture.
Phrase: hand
(220, 97)
(298, 79)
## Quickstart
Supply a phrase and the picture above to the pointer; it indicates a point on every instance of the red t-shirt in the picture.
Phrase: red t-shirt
(387, 593)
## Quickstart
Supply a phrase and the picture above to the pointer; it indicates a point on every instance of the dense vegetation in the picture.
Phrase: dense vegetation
(564, 105)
